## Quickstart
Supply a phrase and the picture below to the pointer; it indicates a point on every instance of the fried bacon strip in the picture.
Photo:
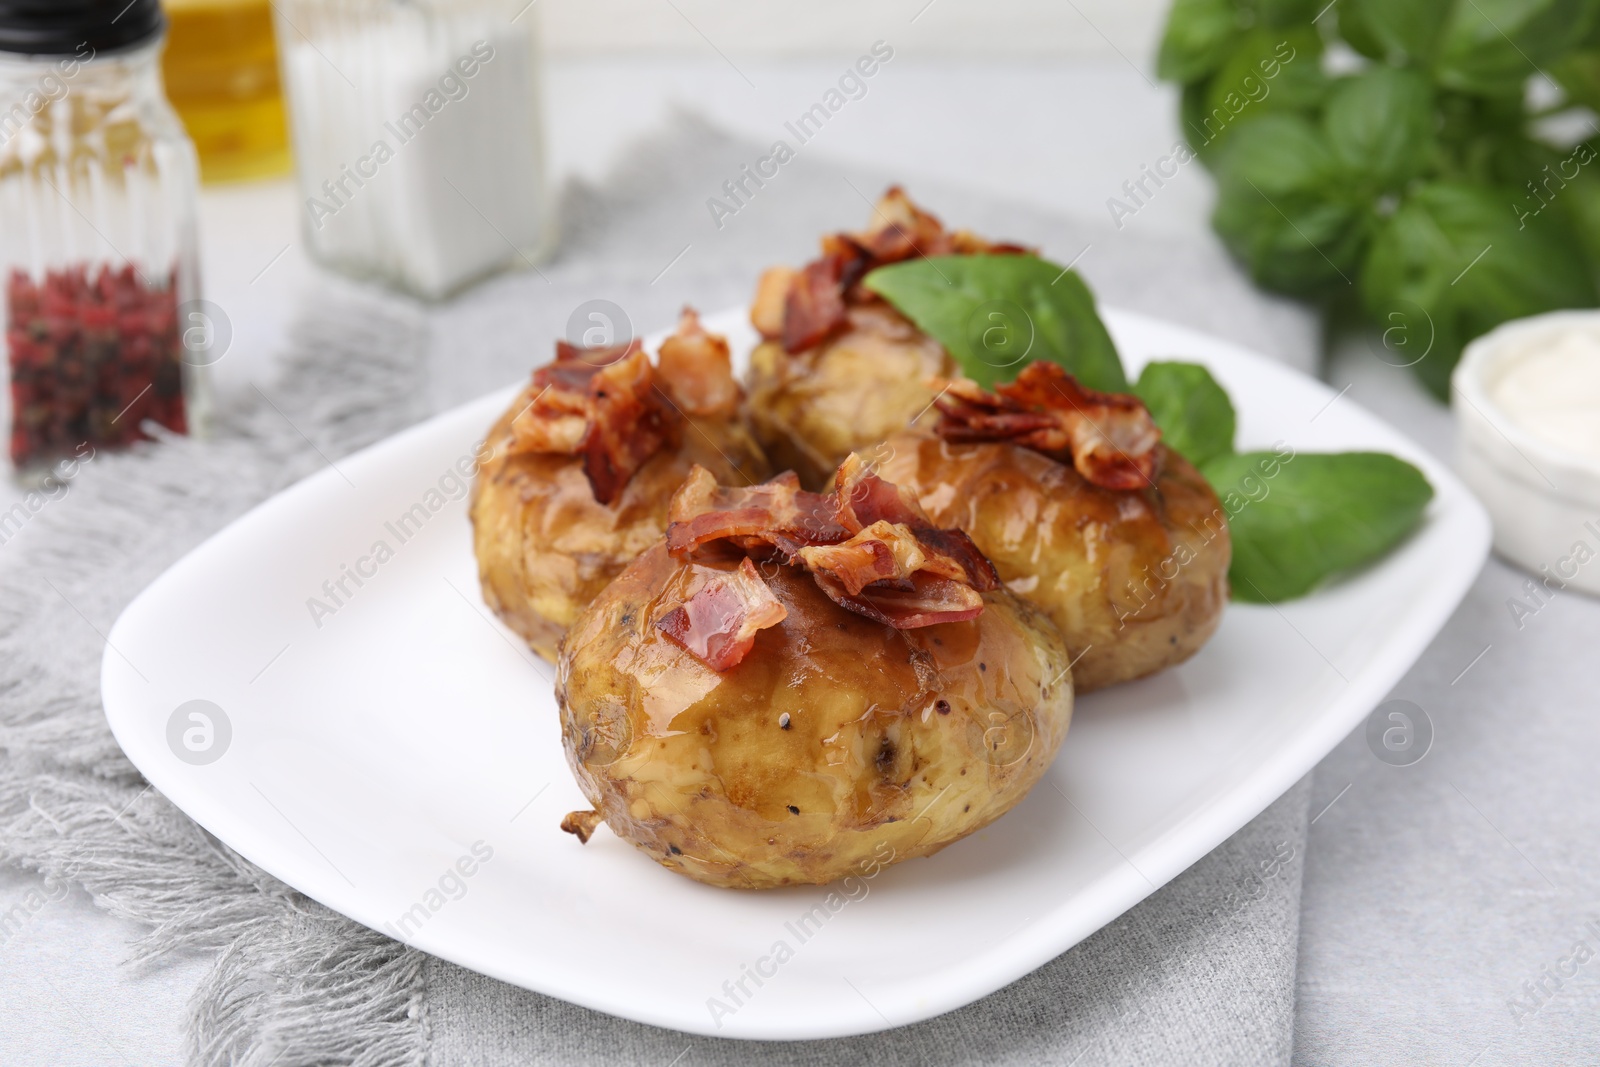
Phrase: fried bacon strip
(882, 552)
(886, 573)
(616, 410)
(1108, 437)
(920, 600)
(601, 404)
(629, 425)
(718, 625)
(774, 515)
(864, 499)
(696, 370)
(814, 307)
(867, 545)
(804, 308)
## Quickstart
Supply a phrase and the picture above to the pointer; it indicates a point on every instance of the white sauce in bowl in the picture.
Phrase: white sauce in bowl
(1549, 386)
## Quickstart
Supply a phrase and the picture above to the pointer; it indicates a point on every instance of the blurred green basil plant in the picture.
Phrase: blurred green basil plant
(1401, 160)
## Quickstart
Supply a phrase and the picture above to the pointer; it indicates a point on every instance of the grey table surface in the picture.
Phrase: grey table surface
(1450, 908)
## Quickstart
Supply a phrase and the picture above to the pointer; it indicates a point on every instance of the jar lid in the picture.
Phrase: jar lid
(64, 27)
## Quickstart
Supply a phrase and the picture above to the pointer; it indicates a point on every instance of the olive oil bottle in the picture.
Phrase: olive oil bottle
(221, 70)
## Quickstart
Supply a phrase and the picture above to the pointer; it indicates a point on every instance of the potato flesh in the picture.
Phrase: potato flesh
(895, 740)
(812, 409)
(1136, 581)
(546, 547)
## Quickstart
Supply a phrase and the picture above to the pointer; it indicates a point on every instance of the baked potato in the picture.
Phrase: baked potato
(582, 467)
(756, 727)
(839, 369)
(1127, 553)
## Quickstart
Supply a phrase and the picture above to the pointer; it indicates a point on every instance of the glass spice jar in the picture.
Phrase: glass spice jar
(98, 258)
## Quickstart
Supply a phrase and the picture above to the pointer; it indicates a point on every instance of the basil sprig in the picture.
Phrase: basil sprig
(1296, 520)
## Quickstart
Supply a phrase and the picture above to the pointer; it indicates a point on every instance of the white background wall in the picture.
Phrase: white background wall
(989, 28)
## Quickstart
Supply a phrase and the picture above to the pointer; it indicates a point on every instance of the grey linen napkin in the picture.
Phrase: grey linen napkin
(1200, 973)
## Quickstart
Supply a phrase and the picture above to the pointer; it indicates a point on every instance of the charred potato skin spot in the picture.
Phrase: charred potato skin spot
(1135, 581)
(546, 548)
(707, 777)
(811, 409)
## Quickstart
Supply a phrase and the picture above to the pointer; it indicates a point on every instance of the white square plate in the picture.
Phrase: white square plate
(367, 752)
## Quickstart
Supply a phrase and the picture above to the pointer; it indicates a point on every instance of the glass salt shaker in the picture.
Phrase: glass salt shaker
(417, 137)
(97, 234)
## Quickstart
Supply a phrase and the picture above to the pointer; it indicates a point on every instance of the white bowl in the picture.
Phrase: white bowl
(1544, 500)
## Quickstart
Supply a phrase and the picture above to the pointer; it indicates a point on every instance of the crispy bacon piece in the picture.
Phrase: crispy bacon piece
(882, 552)
(616, 410)
(601, 404)
(886, 573)
(696, 370)
(1108, 437)
(571, 358)
(815, 309)
(921, 600)
(804, 308)
(901, 230)
(718, 625)
(868, 546)
(776, 515)
(772, 293)
(557, 419)
(628, 425)
(865, 499)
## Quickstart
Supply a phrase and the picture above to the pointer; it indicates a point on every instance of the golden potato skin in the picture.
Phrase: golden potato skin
(812, 409)
(1136, 581)
(887, 732)
(546, 547)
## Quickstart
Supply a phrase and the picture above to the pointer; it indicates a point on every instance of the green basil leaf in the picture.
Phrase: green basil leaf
(1455, 260)
(1282, 155)
(1575, 177)
(1194, 413)
(1297, 521)
(1479, 146)
(1282, 12)
(1270, 71)
(1399, 31)
(1354, 31)
(1198, 39)
(1285, 207)
(1474, 131)
(1493, 47)
(1579, 74)
(1380, 125)
(994, 314)
(1192, 117)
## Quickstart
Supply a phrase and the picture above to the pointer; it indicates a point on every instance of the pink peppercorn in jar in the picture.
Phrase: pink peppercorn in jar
(104, 338)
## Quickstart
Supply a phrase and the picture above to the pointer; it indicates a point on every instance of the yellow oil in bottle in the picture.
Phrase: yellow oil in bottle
(221, 70)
